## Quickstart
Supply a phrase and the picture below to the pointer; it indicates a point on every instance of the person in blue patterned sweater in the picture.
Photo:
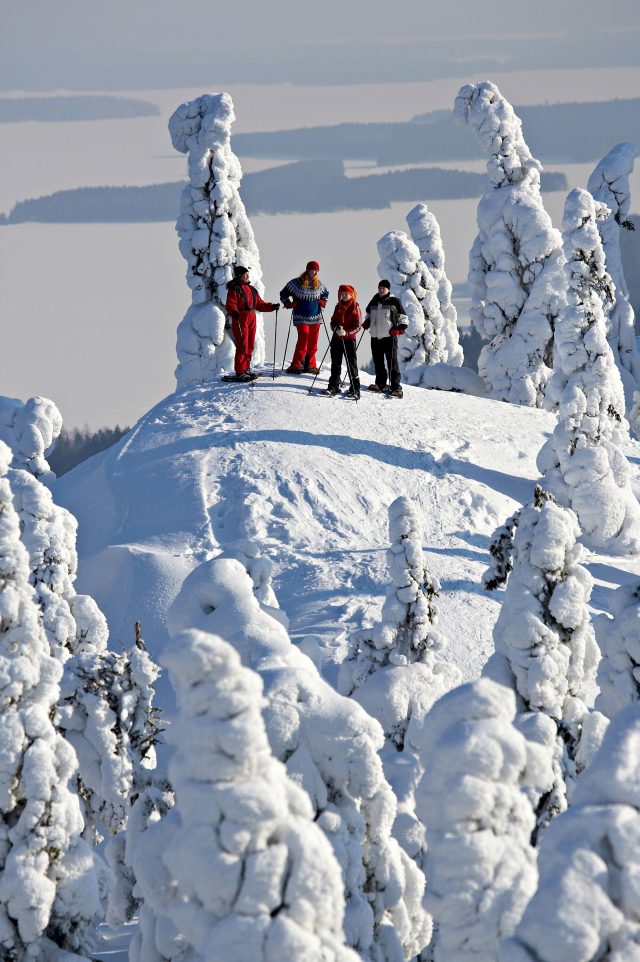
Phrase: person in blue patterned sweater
(306, 296)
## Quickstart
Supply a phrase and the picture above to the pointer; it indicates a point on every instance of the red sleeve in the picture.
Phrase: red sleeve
(232, 302)
(354, 323)
(263, 305)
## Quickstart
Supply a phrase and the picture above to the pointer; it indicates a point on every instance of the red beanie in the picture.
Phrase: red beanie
(313, 266)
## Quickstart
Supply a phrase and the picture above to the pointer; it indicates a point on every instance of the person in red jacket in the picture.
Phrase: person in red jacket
(243, 301)
(346, 321)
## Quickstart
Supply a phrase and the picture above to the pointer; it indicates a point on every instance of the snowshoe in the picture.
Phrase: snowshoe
(397, 392)
(331, 391)
(353, 392)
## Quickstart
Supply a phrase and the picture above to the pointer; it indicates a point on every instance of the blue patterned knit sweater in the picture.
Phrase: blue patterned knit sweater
(306, 308)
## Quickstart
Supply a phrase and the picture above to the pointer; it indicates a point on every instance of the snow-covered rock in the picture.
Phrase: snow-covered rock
(215, 235)
(515, 265)
(583, 462)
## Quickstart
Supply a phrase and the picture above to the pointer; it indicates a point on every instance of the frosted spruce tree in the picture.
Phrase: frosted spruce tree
(586, 906)
(426, 351)
(544, 643)
(247, 875)
(619, 640)
(425, 233)
(609, 184)
(31, 430)
(396, 669)
(480, 865)
(51, 883)
(215, 235)
(330, 747)
(515, 273)
(99, 688)
(583, 462)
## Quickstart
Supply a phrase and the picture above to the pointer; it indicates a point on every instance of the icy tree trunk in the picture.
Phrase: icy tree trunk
(244, 871)
(609, 184)
(586, 906)
(425, 233)
(583, 462)
(619, 640)
(544, 635)
(480, 865)
(515, 263)
(50, 881)
(215, 235)
(330, 747)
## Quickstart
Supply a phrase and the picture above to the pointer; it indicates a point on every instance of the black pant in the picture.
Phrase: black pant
(342, 347)
(384, 350)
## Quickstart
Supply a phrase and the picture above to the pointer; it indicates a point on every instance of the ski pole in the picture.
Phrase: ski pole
(284, 356)
(357, 347)
(319, 367)
(325, 325)
(275, 341)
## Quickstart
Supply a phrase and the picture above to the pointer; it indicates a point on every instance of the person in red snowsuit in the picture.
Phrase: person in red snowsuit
(243, 301)
(346, 321)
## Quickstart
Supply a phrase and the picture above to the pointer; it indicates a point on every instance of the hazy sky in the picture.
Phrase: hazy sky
(93, 44)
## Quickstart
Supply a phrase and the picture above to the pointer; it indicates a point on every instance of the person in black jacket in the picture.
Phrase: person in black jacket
(385, 319)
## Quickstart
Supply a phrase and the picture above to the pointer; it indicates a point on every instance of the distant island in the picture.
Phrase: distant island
(73, 108)
(311, 186)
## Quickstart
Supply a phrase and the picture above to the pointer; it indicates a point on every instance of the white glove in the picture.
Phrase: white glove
(340, 331)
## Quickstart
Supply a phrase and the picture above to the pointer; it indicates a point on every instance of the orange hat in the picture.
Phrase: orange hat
(348, 289)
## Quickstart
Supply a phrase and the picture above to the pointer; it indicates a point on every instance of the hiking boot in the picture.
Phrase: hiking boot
(294, 370)
(397, 392)
(375, 387)
(331, 390)
(353, 392)
(313, 370)
(244, 377)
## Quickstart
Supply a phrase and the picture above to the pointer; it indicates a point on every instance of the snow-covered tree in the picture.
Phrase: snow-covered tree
(586, 907)
(609, 184)
(103, 694)
(515, 265)
(480, 864)
(425, 233)
(426, 339)
(31, 430)
(51, 884)
(106, 712)
(544, 635)
(248, 875)
(619, 640)
(501, 551)
(583, 462)
(215, 235)
(396, 668)
(330, 747)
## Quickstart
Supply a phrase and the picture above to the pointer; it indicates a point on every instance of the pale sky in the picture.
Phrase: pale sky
(93, 44)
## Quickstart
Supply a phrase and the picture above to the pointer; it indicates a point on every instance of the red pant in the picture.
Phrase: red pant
(244, 334)
(307, 345)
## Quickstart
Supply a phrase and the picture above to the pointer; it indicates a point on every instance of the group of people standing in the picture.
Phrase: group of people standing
(306, 297)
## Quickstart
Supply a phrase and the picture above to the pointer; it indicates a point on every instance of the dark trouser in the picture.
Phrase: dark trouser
(384, 351)
(342, 347)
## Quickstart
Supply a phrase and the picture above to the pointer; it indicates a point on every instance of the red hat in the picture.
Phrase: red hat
(313, 266)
